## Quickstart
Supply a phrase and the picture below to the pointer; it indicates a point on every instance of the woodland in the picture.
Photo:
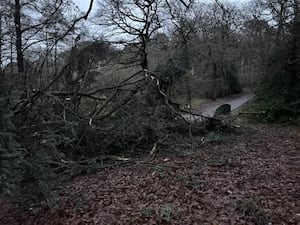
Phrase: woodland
(96, 112)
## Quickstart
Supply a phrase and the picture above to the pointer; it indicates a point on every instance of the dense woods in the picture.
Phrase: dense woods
(78, 87)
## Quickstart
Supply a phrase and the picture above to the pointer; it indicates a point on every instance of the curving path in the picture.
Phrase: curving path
(236, 101)
(208, 108)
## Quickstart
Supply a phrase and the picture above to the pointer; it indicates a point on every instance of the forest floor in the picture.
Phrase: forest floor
(248, 176)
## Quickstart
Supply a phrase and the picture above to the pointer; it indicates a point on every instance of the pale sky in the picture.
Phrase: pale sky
(84, 4)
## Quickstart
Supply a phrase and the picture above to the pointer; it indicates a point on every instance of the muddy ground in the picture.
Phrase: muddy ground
(249, 176)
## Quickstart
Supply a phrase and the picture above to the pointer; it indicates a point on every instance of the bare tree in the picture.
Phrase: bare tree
(136, 20)
(279, 13)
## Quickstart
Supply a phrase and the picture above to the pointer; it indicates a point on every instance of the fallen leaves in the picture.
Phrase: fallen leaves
(230, 182)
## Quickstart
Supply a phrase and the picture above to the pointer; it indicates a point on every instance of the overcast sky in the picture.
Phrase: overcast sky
(84, 4)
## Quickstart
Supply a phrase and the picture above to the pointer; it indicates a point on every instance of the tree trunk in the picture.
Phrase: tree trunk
(143, 52)
(214, 92)
(47, 49)
(11, 38)
(1, 45)
(17, 18)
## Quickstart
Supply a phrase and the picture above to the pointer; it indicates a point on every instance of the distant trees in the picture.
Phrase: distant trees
(207, 36)
(6, 38)
(218, 31)
(272, 32)
(281, 11)
(30, 26)
(215, 44)
(199, 36)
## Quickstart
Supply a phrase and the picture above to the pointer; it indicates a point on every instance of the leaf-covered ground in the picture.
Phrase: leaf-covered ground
(250, 176)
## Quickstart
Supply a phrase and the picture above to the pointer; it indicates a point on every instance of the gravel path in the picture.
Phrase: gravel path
(208, 108)
(236, 101)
